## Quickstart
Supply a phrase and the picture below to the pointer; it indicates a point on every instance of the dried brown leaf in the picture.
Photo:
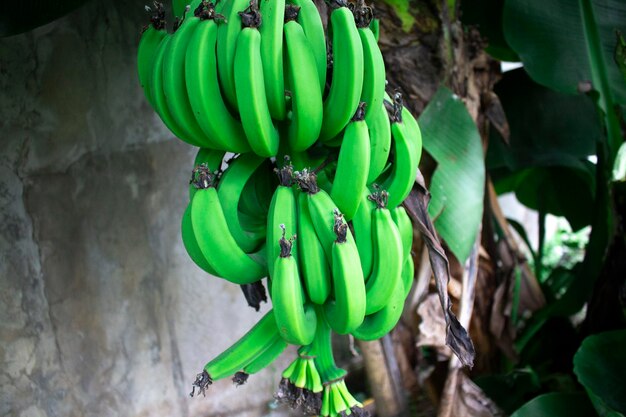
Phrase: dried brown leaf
(457, 337)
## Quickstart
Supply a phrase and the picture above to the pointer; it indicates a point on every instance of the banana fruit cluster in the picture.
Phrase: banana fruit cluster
(303, 164)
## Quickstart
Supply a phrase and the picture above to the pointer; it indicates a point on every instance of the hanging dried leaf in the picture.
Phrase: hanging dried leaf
(456, 336)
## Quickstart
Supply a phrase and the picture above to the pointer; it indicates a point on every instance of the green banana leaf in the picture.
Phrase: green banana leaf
(600, 366)
(551, 136)
(24, 15)
(565, 44)
(557, 405)
(452, 139)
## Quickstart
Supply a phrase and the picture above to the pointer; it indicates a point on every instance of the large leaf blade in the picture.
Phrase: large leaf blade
(600, 366)
(557, 405)
(568, 45)
(557, 46)
(457, 186)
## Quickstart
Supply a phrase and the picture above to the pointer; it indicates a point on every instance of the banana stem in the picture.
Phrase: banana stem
(322, 348)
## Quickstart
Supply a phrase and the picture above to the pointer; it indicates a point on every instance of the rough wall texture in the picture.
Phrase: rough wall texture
(101, 311)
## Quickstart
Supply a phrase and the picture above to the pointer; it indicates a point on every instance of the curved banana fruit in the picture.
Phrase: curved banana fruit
(362, 224)
(273, 12)
(313, 263)
(203, 88)
(380, 142)
(258, 339)
(174, 81)
(388, 259)
(191, 244)
(282, 211)
(310, 20)
(405, 227)
(347, 74)
(353, 165)
(408, 274)
(383, 321)
(407, 144)
(178, 7)
(265, 359)
(295, 320)
(158, 95)
(227, 34)
(346, 312)
(255, 115)
(374, 65)
(229, 191)
(302, 82)
(151, 37)
(321, 208)
(404, 167)
(214, 238)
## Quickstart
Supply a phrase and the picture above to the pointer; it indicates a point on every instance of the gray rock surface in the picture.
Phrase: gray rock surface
(101, 311)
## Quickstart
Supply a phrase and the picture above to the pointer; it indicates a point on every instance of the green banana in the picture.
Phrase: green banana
(375, 26)
(174, 80)
(266, 358)
(273, 12)
(310, 20)
(408, 274)
(178, 7)
(282, 211)
(214, 238)
(255, 115)
(374, 65)
(256, 196)
(321, 208)
(296, 321)
(302, 82)
(258, 339)
(414, 131)
(313, 263)
(378, 324)
(388, 259)
(405, 227)
(352, 166)
(158, 95)
(406, 156)
(347, 74)
(191, 244)
(362, 224)
(229, 191)
(380, 142)
(203, 88)
(151, 37)
(346, 312)
(227, 35)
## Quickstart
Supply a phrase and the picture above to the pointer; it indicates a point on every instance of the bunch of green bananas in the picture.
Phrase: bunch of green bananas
(303, 164)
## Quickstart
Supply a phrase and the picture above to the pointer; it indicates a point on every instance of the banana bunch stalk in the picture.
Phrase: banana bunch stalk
(303, 163)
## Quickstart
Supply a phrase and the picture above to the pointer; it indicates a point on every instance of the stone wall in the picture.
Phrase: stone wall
(101, 311)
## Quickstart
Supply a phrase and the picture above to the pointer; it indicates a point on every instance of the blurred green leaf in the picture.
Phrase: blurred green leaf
(556, 44)
(557, 405)
(566, 191)
(486, 15)
(401, 7)
(547, 128)
(600, 365)
(452, 139)
(620, 53)
(545, 163)
(569, 45)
